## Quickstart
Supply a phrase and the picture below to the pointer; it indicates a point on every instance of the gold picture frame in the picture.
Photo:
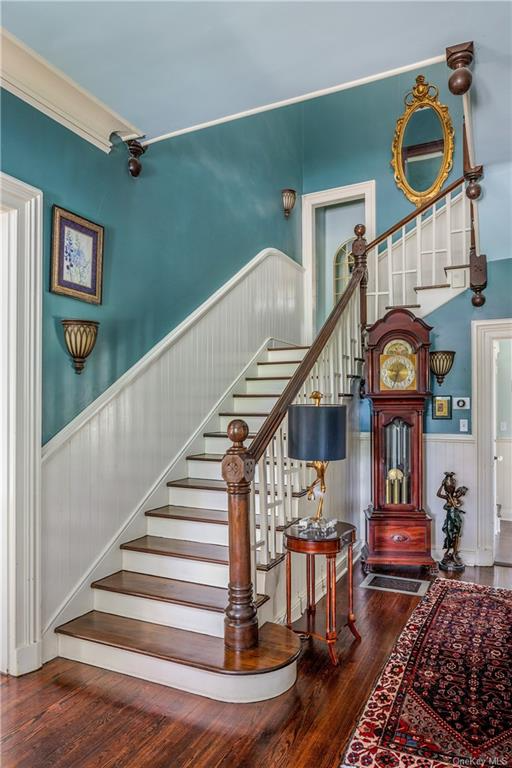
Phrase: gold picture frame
(442, 407)
(423, 95)
(77, 256)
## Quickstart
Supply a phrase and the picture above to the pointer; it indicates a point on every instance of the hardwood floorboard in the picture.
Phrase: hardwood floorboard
(70, 715)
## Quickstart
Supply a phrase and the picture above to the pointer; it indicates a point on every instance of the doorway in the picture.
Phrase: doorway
(502, 455)
(491, 424)
(334, 234)
(20, 425)
(328, 221)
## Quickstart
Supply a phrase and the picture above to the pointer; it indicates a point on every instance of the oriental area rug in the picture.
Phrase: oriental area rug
(444, 697)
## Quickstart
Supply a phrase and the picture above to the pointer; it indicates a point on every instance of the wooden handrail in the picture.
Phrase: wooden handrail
(414, 214)
(269, 427)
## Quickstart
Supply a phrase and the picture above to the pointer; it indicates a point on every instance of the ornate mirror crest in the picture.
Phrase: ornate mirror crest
(423, 159)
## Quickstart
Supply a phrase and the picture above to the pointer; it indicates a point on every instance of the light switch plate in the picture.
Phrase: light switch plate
(463, 425)
(461, 403)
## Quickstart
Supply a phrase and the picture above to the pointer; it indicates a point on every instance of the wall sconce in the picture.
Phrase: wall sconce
(441, 362)
(135, 149)
(80, 337)
(289, 197)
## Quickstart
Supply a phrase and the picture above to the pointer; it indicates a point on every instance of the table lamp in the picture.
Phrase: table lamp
(317, 435)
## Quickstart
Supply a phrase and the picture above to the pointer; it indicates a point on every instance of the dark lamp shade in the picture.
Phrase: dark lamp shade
(317, 433)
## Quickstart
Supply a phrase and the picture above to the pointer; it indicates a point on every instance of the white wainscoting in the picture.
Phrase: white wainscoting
(103, 467)
(443, 453)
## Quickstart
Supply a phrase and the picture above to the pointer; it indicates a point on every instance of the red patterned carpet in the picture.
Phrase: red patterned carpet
(445, 695)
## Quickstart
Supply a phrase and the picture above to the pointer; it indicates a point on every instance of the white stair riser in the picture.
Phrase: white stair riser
(278, 369)
(253, 422)
(194, 497)
(198, 571)
(230, 688)
(266, 386)
(206, 470)
(188, 530)
(212, 470)
(160, 612)
(282, 355)
(217, 445)
(254, 404)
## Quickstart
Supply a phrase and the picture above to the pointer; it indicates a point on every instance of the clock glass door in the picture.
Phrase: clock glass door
(397, 462)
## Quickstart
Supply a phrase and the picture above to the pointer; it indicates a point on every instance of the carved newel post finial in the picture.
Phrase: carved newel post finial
(459, 57)
(241, 621)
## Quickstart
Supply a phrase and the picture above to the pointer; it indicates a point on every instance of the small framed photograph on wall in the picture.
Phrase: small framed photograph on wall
(77, 256)
(441, 407)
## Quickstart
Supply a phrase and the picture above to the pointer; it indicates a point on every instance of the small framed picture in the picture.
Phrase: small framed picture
(77, 256)
(441, 407)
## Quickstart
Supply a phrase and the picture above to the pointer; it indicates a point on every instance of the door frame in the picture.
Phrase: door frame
(20, 441)
(364, 190)
(483, 334)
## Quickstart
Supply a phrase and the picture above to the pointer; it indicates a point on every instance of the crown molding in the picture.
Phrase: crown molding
(34, 80)
(298, 99)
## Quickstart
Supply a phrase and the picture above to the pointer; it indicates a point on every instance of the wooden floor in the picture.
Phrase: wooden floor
(503, 549)
(70, 715)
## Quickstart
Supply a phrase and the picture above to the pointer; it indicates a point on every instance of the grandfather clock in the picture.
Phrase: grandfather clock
(397, 527)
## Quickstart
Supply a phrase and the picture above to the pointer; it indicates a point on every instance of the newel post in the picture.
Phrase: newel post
(360, 260)
(241, 621)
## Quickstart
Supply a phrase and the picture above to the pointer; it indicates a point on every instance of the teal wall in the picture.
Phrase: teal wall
(204, 205)
(452, 330)
(348, 137)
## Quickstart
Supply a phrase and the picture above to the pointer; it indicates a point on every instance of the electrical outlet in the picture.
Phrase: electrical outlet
(463, 425)
(503, 426)
(461, 403)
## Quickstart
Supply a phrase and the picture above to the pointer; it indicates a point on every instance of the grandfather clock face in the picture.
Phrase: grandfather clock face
(397, 367)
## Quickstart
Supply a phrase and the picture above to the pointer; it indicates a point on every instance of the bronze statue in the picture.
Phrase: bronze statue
(453, 497)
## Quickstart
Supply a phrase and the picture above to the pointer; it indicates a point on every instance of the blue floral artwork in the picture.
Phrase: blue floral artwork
(77, 256)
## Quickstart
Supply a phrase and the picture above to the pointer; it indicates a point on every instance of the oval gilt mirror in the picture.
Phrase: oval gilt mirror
(423, 144)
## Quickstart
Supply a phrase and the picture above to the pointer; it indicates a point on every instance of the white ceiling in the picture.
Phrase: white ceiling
(167, 66)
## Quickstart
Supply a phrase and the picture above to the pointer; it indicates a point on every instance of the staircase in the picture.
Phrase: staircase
(422, 262)
(194, 606)
(161, 617)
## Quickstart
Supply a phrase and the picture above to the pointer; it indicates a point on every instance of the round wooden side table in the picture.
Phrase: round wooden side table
(309, 543)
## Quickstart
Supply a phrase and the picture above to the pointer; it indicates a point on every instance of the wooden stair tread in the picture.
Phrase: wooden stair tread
(195, 514)
(280, 362)
(205, 457)
(224, 434)
(457, 266)
(241, 415)
(202, 484)
(431, 287)
(267, 378)
(168, 590)
(291, 346)
(404, 306)
(189, 550)
(257, 394)
(278, 646)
